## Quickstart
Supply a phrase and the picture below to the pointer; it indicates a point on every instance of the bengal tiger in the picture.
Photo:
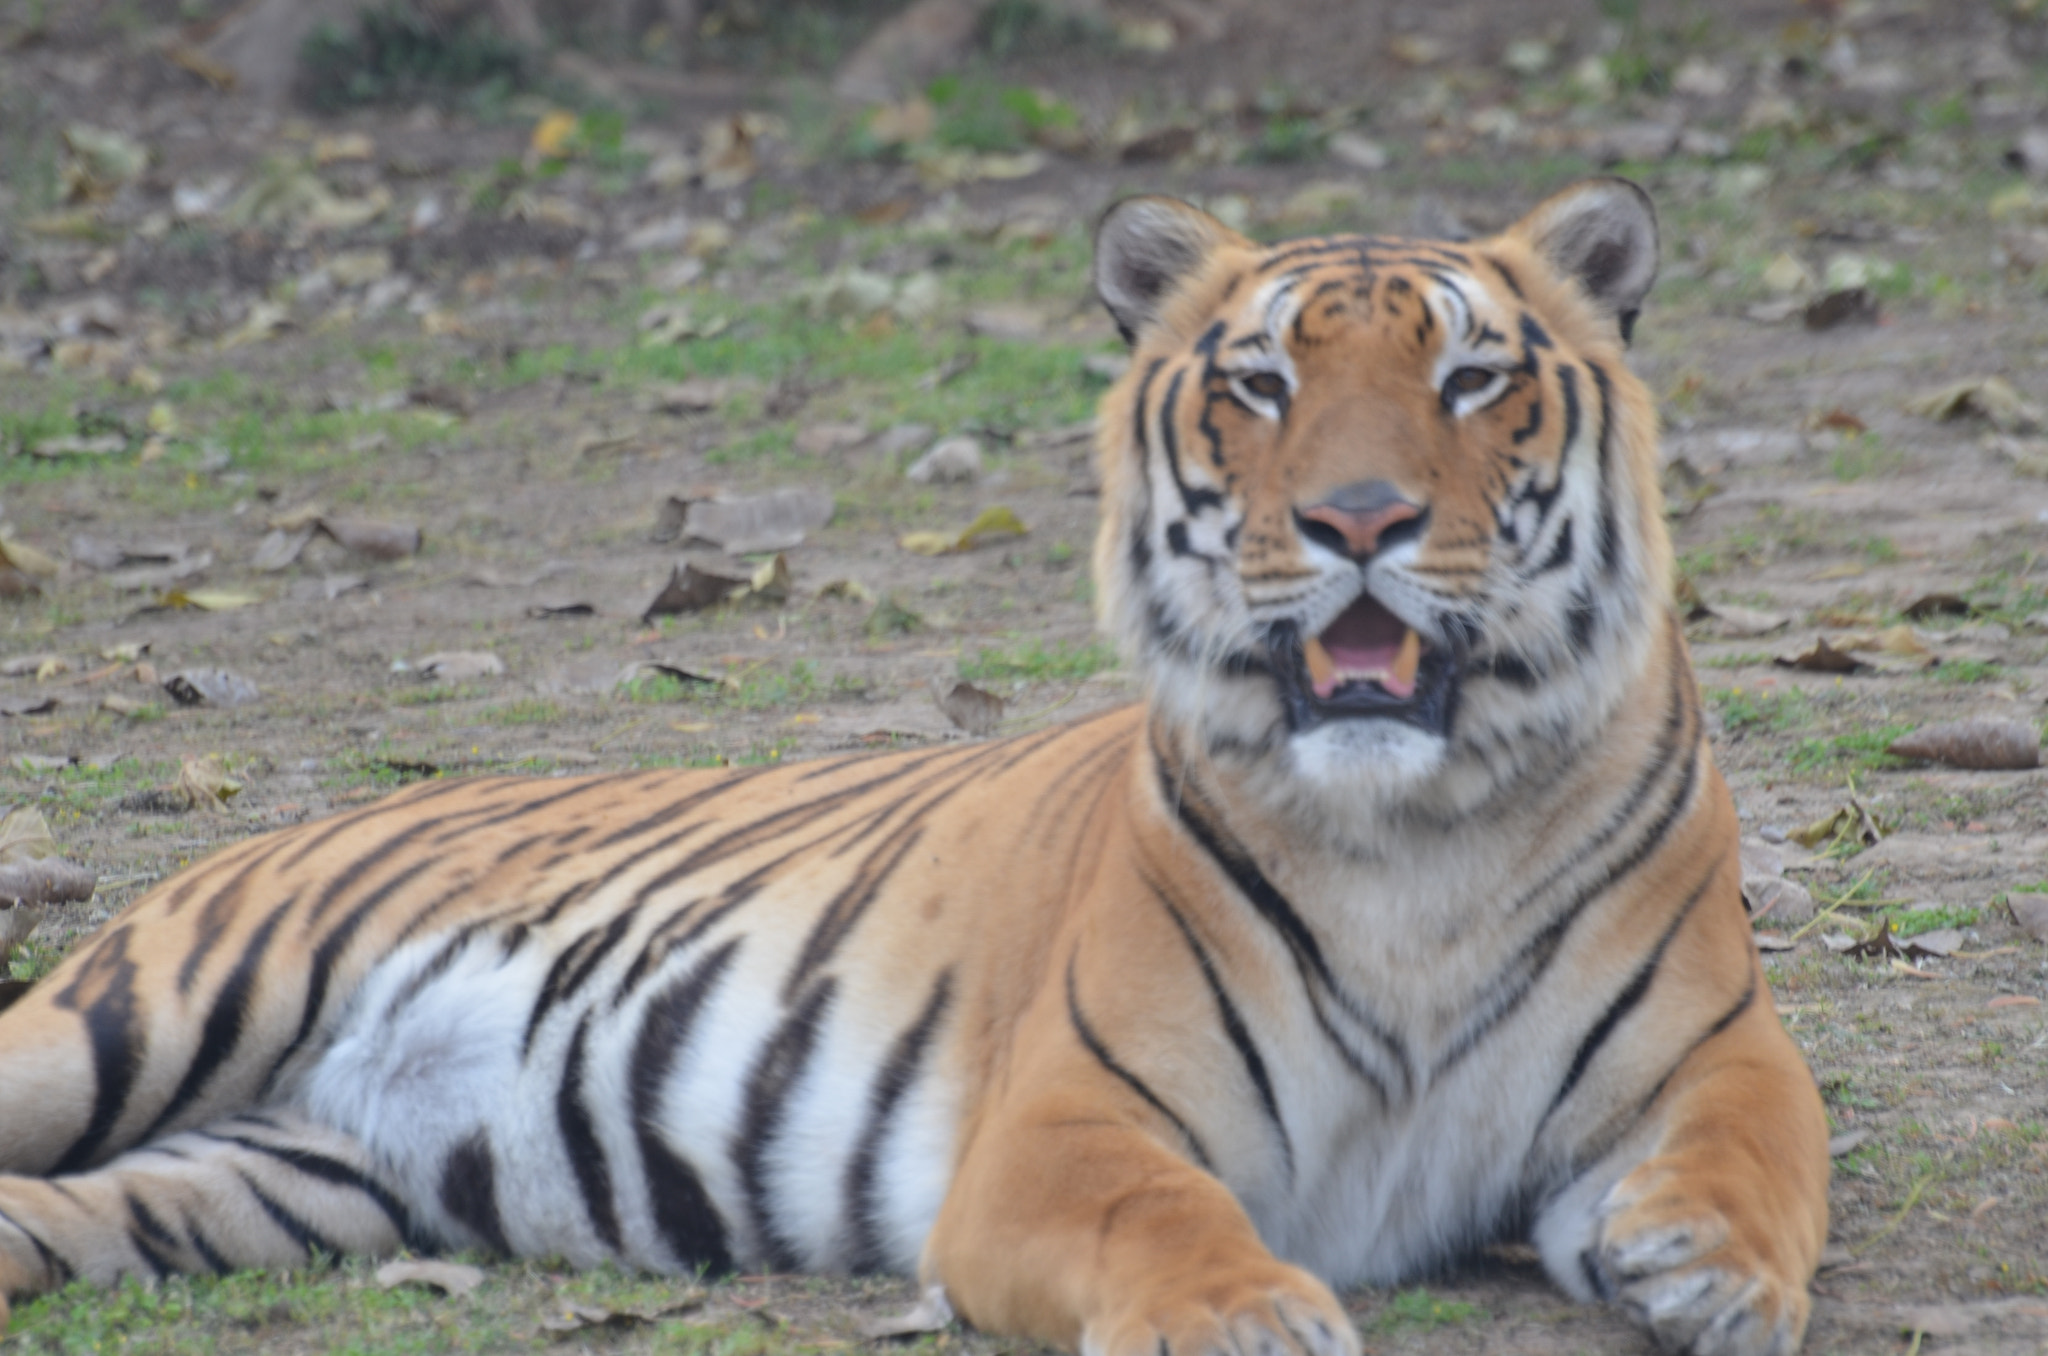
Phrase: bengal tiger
(1402, 916)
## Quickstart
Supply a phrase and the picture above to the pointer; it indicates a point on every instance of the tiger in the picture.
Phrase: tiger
(1400, 918)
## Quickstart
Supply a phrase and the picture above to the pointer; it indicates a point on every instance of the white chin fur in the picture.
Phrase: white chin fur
(1375, 760)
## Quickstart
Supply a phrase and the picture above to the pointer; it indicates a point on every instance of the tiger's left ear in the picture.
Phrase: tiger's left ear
(1603, 235)
(1145, 248)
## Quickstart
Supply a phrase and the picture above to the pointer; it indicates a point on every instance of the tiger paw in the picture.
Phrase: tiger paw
(1272, 1310)
(1680, 1266)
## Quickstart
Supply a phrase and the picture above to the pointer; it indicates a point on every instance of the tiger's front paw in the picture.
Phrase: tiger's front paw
(1269, 1310)
(1684, 1268)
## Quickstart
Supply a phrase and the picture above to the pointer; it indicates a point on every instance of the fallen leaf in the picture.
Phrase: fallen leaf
(1851, 823)
(27, 559)
(1937, 605)
(1989, 398)
(73, 445)
(280, 549)
(573, 1316)
(40, 705)
(931, 1313)
(998, 520)
(1773, 941)
(127, 706)
(27, 665)
(691, 588)
(379, 541)
(1820, 657)
(2030, 912)
(1848, 306)
(643, 668)
(970, 708)
(206, 600)
(768, 522)
(2014, 1000)
(1847, 1142)
(211, 687)
(451, 1278)
(457, 666)
(1941, 942)
(548, 611)
(1981, 744)
(203, 784)
(1742, 622)
(891, 618)
(850, 589)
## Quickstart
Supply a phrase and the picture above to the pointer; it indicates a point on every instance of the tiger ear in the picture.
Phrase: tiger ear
(1144, 249)
(1602, 234)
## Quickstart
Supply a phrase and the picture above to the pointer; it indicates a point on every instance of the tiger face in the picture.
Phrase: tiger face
(1380, 513)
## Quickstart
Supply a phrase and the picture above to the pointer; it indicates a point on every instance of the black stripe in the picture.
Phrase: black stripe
(579, 1140)
(111, 1030)
(225, 1021)
(215, 1261)
(1271, 905)
(1610, 533)
(1560, 550)
(213, 923)
(574, 967)
(147, 1224)
(54, 1263)
(1619, 1131)
(892, 1084)
(682, 1208)
(1192, 497)
(309, 1239)
(1233, 1026)
(1625, 1002)
(837, 920)
(674, 809)
(1093, 1044)
(469, 1191)
(330, 1170)
(775, 1075)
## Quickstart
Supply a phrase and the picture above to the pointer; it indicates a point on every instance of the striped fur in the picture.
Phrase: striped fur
(1135, 1034)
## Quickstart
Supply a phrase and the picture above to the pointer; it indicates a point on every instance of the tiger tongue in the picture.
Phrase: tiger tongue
(1367, 643)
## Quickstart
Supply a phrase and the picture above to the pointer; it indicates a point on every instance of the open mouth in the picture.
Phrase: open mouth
(1367, 664)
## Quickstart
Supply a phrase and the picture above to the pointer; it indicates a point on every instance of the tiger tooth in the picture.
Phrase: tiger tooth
(1322, 670)
(1408, 660)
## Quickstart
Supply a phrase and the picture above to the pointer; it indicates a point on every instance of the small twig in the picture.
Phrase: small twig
(1838, 902)
(1912, 1199)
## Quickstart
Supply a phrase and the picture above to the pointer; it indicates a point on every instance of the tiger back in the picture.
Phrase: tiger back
(1401, 917)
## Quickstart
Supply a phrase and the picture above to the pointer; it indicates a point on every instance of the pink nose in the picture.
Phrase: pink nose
(1361, 530)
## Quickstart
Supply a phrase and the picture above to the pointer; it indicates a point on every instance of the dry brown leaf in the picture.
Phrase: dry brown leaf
(451, 1278)
(21, 556)
(457, 666)
(211, 687)
(998, 520)
(1989, 398)
(767, 522)
(931, 1313)
(379, 541)
(1742, 622)
(1850, 823)
(1981, 744)
(692, 588)
(1937, 605)
(1820, 657)
(972, 709)
(2030, 912)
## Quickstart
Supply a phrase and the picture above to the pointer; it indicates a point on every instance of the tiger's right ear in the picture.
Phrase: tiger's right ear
(1144, 249)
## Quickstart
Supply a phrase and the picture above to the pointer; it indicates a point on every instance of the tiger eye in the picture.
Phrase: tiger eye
(1468, 381)
(1266, 385)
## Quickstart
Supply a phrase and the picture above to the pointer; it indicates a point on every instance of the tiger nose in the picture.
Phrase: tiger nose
(1359, 513)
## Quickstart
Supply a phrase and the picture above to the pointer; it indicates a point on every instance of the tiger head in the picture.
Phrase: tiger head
(1381, 514)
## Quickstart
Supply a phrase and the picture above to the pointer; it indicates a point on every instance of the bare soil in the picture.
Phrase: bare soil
(504, 402)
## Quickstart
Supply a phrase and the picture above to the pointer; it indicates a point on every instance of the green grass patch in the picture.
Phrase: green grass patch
(1035, 661)
(1911, 922)
(434, 694)
(525, 711)
(1744, 710)
(1864, 749)
(1417, 1310)
(398, 54)
(1962, 671)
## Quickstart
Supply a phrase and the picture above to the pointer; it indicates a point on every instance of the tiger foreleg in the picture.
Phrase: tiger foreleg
(1712, 1237)
(1079, 1227)
(254, 1191)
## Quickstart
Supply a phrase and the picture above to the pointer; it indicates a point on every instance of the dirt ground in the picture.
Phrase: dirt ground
(524, 342)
